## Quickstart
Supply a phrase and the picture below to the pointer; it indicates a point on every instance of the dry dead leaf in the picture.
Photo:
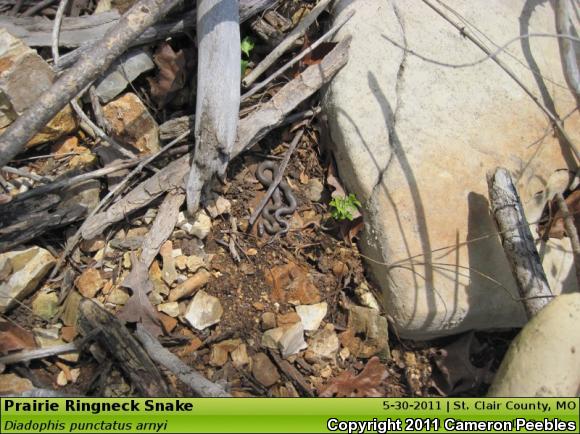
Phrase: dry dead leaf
(455, 373)
(367, 384)
(14, 338)
(171, 76)
(139, 308)
(292, 283)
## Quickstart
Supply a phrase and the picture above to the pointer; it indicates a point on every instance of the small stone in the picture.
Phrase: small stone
(240, 356)
(292, 341)
(132, 123)
(366, 297)
(344, 353)
(171, 308)
(259, 306)
(92, 246)
(169, 273)
(167, 322)
(363, 321)
(23, 270)
(339, 269)
(89, 282)
(127, 260)
(312, 315)
(268, 320)
(220, 351)
(118, 296)
(205, 310)
(251, 252)
(61, 379)
(326, 372)
(288, 318)
(181, 263)
(218, 207)
(12, 384)
(322, 346)
(122, 72)
(155, 298)
(74, 374)
(68, 333)
(314, 189)
(271, 338)
(194, 263)
(264, 370)
(45, 305)
(198, 226)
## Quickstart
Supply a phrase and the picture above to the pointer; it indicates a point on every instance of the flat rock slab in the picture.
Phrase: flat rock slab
(414, 139)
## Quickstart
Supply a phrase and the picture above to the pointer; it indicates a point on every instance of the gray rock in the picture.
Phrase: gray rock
(268, 320)
(122, 72)
(28, 267)
(198, 226)
(543, 359)
(312, 315)
(204, 310)
(413, 141)
(292, 341)
(271, 337)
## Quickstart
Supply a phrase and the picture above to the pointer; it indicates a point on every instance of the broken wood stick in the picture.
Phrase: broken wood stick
(217, 101)
(197, 382)
(250, 130)
(122, 348)
(142, 15)
(286, 44)
(517, 241)
(572, 232)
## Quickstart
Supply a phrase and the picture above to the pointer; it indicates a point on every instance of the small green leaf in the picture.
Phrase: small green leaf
(245, 64)
(247, 46)
(342, 208)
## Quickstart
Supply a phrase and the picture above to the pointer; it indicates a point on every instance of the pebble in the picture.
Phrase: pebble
(240, 356)
(45, 305)
(292, 341)
(198, 226)
(268, 320)
(89, 282)
(264, 370)
(314, 189)
(219, 206)
(205, 310)
(288, 318)
(171, 308)
(322, 346)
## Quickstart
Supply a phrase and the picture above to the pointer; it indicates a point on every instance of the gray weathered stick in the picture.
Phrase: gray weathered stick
(568, 54)
(197, 382)
(217, 101)
(250, 130)
(286, 44)
(517, 241)
(142, 15)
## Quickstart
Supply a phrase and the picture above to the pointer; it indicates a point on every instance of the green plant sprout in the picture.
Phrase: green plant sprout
(247, 46)
(342, 208)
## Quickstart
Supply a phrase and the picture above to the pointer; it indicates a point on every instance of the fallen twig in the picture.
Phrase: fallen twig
(286, 44)
(517, 241)
(123, 348)
(565, 25)
(197, 382)
(37, 7)
(217, 101)
(143, 14)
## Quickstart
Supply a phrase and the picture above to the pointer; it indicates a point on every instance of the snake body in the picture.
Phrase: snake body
(273, 221)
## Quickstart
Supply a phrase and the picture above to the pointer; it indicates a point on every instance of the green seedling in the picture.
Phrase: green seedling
(247, 46)
(342, 208)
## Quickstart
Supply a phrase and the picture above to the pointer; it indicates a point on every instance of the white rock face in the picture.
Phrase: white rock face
(311, 315)
(205, 310)
(543, 360)
(23, 271)
(413, 140)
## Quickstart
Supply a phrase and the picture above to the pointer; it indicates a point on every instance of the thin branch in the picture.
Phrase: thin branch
(37, 7)
(294, 35)
(296, 59)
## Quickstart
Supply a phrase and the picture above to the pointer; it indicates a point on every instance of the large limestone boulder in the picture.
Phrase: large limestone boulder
(413, 140)
(543, 360)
